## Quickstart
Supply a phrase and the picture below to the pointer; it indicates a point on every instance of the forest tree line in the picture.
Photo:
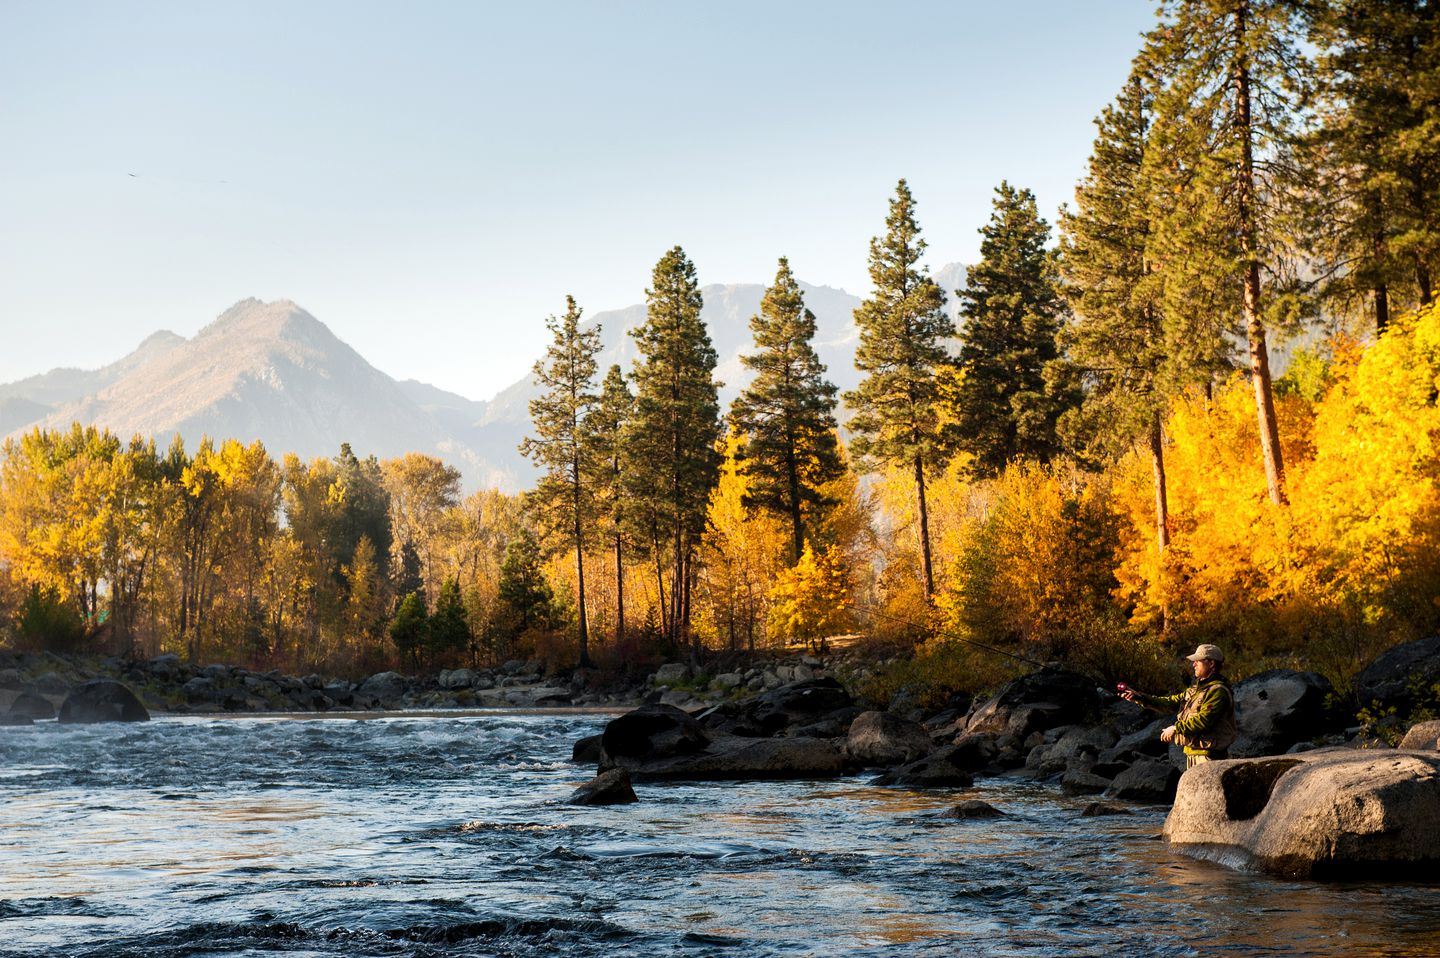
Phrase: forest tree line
(1097, 465)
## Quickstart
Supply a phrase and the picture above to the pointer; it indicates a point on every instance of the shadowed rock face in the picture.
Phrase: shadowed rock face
(102, 701)
(1333, 813)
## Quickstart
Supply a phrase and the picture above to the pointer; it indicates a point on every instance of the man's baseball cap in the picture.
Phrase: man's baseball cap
(1211, 652)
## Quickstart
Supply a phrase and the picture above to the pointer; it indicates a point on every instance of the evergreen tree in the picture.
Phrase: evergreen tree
(604, 430)
(673, 438)
(1374, 157)
(523, 591)
(786, 416)
(563, 497)
(903, 329)
(1013, 311)
(1225, 120)
(449, 631)
(410, 627)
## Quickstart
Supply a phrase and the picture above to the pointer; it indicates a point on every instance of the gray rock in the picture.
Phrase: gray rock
(1148, 780)
(607, 788)
(971, 809)
(1391, 678)
(1099, 809)
(804, 673)
(167, 664)
(880, 739)
(944, 768)
(10, 679)
(1041, 700)
(457, 679)
(1329, 813)
(1083, 781)
(102, 700)
(677, 698)
(32, 706)
(383, 688)
(671, 673)
(15, 720)
(1274, 710)
(51, 683)
(727, 680)
(1422, 737)
(587, 750)
(652, 733)
(734, 758)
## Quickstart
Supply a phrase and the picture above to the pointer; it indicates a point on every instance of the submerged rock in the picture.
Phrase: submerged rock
(973, 808)
(1330, 813)
(102, 700)
(607, 788)
(736, 758)
(945, 768)
(1148, 780)
(1099, 809)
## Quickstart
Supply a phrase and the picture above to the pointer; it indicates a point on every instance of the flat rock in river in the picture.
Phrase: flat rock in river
(1330, 813)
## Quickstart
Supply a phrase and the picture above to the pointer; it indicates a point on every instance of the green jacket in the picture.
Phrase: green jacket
(1205, 724)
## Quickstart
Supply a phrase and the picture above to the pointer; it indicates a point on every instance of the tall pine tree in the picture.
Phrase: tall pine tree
(604, 431)
(903, 330)
(673, 438)
(1374, 156)
(786, 416)
(563, 497)
(1013, 312)
(1225, 126)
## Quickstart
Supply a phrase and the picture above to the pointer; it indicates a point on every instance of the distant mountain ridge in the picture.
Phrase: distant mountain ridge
(273, 372)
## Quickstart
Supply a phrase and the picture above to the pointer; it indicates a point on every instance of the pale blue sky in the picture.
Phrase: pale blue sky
(431, 179)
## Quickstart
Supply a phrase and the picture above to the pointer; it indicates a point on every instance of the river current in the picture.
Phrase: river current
(441, 835)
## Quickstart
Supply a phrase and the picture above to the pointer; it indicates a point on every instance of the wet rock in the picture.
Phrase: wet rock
(943, 768)
(1391, 678)
(339, 692)
(1035, 702)
(102, 700)
(671, 673)
(1329, 813)
(1148, 780)
(880, 738)
(607, 788)
(1099, 809)
(1083, 781)
(1043, 761)
(835, 725)
(734, 758)
(972, 808)
(1274, 710)
(32, 706)
(1422, 737)
(652, 733)
(587, 750)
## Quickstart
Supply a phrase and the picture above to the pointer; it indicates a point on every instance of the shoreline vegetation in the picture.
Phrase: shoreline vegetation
(1093, 465)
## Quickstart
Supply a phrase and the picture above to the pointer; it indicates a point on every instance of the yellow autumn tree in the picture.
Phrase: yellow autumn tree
(811, 600)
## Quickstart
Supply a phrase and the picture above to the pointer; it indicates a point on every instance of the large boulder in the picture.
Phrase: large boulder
(1329, 813)
(799, 708)
(607, 788)
(882, 738)
(735, 758)
(946, 768)
(1041, 700)
(1069, 748)
(1393, 678)
(671, 673)
(102, 700)
(1148, 780)
(384, 689)
(1425, 736)
(32, 706)
(1277, 709)
(651, 733)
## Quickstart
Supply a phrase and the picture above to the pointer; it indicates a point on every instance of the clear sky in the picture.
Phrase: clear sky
(431, 179)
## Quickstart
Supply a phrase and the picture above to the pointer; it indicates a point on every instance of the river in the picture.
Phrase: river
(441, 835)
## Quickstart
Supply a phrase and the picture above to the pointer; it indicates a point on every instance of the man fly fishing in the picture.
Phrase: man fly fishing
(1205, 724)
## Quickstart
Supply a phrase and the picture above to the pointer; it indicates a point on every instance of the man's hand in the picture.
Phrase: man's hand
(1129, 695)
(1168, 735)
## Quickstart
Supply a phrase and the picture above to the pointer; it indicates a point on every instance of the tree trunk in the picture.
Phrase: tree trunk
(584, 662)
(1162, 510)
(619, 593)
(925, 563)
(1254, 321)
(797, 529)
